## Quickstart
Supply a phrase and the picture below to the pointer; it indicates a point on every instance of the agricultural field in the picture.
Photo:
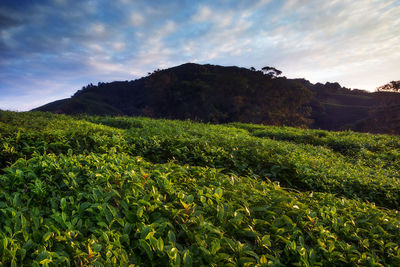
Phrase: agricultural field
(122, 191)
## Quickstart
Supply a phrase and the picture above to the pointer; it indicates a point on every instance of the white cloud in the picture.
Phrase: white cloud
(98, 28)
(105, 66)
(227, 36)
(119, 46)
(91, 6)
(260, 4)
(330, 40)
(218, 18)
(321, 41)
(203, 13)
(137, 19)
(153, 43)
(353, 42)
(94, 47)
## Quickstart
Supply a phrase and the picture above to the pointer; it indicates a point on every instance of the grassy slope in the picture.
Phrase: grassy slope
(135, 190)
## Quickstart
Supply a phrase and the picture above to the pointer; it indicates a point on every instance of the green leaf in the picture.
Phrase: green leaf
(144, 232)
(29, 244)
(218, 193)
(187, 259)
(127, 228)
(153, 241)
(47, 236)
(64, 216)
(45, 262)
(4, 242)
(189, 199)
(22, 253)
(146, 247)
(139, 212)
(160, 244)
(215, 246)
(173, 254)
(63, 203)
(266, 241)
(102, 224)
(171, 237)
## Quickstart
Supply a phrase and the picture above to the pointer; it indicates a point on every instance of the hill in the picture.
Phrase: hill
(92, 190)
(219, 94)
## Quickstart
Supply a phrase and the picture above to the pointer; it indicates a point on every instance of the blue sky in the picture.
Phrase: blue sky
(51, 48)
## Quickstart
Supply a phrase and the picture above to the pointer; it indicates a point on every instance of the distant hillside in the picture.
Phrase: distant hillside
(220, 94)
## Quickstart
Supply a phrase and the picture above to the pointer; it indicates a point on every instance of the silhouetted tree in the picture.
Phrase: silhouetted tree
(393, 86)
(271, 71)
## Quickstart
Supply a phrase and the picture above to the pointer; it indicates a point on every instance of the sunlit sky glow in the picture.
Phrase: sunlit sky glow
(50, 49)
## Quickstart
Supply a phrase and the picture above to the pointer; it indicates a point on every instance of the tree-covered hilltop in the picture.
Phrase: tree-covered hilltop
(199, 92)
(219, 94)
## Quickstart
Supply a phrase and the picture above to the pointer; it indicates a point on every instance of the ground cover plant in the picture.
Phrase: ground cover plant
(107, 191)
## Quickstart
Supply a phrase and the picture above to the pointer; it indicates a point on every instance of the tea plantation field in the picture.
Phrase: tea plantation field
(103, 191)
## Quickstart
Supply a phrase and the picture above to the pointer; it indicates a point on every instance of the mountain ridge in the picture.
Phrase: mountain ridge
(220, 94)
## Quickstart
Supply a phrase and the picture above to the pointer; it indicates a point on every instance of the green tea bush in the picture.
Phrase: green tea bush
(300, 166)
(113, 209)
(354, 145)
(37, 132)
(136, 192)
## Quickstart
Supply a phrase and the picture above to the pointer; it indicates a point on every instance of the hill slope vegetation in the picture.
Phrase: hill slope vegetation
(118, 191)
(219, 94)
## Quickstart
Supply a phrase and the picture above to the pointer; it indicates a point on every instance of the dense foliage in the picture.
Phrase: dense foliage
(118, 191)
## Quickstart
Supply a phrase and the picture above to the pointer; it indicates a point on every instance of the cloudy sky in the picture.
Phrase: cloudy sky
(51, 48)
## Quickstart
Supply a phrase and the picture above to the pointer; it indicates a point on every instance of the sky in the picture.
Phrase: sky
(51, 48)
